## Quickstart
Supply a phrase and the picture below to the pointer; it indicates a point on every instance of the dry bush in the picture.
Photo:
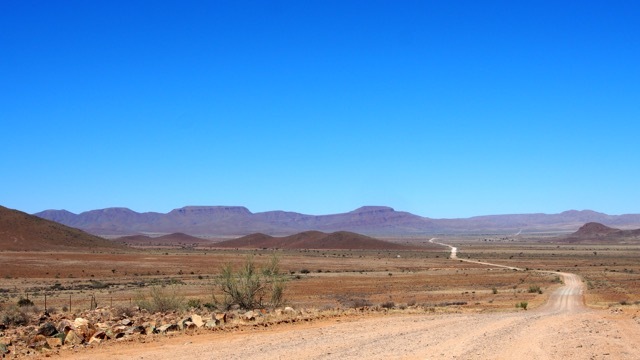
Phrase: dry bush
(15, 315)
(352, 302)
(249, 286)
(124, 311)
(388, 305)
(161, 299)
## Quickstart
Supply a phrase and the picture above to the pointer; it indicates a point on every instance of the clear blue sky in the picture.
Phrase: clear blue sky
(440, 108)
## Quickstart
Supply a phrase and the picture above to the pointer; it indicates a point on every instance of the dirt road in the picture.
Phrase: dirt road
(561, 329)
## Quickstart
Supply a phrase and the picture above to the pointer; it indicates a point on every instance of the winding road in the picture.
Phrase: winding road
(561, 329)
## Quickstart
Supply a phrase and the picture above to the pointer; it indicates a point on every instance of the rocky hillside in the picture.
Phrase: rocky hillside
(23, 232)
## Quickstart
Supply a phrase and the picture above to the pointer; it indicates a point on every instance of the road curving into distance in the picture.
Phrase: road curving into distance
(568, 298)
(564, 328)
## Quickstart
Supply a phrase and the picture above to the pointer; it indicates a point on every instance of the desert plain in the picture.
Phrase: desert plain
(420, 303)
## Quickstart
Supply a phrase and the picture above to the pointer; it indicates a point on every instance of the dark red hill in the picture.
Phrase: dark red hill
(312, 240)
(174, 239)
(594, 232)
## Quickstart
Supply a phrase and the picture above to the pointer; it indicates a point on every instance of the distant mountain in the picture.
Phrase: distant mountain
(596, 232)
(368, 220)
(312, 240)
(23, 232)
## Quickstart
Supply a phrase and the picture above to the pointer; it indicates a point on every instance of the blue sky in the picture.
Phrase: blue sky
(440, 108)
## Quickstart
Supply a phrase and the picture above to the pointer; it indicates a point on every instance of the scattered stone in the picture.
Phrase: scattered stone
(213, 323)
(126, 322)
(289, 310)
(197, 320)
(65, 325)
(118, 331)
(98, 337)
(249, 316)
(4, 349)
(73, 338)
(149, 328)
(38, 342)
(136, 330)
(182, 322)
(54, 342)
(80, 322)
(48, 329)
(221, 317)
(168, 328)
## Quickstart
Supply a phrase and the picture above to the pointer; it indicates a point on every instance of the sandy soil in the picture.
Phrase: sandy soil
(561, 329)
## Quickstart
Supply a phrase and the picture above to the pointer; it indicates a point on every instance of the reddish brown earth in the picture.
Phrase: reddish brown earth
(312, 240)
(23, 232)
(561, 329)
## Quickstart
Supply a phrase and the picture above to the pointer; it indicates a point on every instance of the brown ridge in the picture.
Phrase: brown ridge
(20, 231)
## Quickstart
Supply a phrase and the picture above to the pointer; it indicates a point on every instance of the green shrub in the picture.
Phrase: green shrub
(535, 289)
(251, 287)
(24, 302)
(522, 304)
(194, 303)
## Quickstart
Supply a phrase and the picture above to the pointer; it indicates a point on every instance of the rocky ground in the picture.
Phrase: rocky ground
(48, 334)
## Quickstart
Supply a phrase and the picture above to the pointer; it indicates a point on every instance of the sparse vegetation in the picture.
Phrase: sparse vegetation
(25, 302)
(14, 315)
(161, 299)
(126, 311)
(388, 305)
(522, 305)
(535, 289)
(194, 304)
(248, 287)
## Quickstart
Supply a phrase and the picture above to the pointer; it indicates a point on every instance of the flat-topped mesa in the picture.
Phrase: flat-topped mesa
(212, 210)
(372, 209)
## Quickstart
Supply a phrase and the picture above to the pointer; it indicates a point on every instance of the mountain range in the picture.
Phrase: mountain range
(369, 220)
